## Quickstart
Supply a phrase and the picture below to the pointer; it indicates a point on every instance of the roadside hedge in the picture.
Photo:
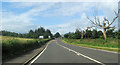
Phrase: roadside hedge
(11, 48)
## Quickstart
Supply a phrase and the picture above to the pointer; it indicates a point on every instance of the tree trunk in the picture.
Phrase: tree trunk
(85, 34)
(82, 36)
(104, 33)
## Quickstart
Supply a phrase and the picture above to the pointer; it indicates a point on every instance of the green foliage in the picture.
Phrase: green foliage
(96, 42)
(111, 44)
(57, 35)
(110, 33)
(32, 34)
(48, 33)
(16, 46)
(88, 34)
(6, 33)
(77, 34)
(100, 34)
(93, 34)
(69, 35)
(118, 34)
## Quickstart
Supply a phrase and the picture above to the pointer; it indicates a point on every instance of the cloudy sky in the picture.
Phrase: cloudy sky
(60, 17)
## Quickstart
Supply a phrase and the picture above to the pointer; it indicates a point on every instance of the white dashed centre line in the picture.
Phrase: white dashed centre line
(80, 54)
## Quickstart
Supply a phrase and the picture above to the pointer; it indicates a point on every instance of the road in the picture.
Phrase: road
(59, 52)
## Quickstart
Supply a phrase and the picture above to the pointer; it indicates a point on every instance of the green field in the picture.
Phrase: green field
(12, 46)
(111, 44)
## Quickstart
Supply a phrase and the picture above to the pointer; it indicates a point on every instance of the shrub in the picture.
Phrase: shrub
(17, 46)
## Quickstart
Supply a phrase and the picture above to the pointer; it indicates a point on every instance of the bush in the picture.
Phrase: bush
(15, 46)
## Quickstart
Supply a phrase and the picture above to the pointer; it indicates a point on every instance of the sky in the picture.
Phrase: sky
(58, 16)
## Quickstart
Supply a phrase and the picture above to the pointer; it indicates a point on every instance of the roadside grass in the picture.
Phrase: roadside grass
(111, 44)
(12, 46)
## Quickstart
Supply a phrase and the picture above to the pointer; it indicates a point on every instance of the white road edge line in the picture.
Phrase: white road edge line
(39, 55)
(82, 55)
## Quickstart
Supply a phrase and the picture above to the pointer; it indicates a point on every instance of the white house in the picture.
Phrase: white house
(41, 37)
(49, 36)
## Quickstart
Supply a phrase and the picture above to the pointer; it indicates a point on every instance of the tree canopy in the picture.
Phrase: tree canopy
(31, 34)
(57, 35)
(93, 34)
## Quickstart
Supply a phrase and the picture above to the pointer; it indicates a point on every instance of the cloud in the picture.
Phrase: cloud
(16, 23)
(24, 21)
(81, 23)
(107, 8)
(70, 9)
(71, 26)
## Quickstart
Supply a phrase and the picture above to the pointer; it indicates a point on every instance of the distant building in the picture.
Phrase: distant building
(41, 37)
(62, 35)
(49, 36)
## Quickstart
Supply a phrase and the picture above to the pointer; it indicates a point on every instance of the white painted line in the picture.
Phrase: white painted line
(80, 54)
(39, 54)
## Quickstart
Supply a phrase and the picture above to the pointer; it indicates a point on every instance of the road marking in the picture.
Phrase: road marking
(39, 54)
(80, 54)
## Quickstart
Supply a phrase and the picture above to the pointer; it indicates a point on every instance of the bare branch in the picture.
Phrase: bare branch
(91, 21)
(115, 13)
(109, 27)
(113, 21)
(103, 23)
(106, 20)
(118, 11)
(98, 20)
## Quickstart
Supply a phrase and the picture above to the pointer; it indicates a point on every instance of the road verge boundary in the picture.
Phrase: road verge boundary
(28, 62)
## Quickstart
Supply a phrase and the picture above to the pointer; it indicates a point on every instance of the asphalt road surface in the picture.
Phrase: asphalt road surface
(59, 52)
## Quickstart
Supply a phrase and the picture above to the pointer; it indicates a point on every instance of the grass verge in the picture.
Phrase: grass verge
(110, 45)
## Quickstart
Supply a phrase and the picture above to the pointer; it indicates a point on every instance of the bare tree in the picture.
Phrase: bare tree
(106, 24)
(84, 31)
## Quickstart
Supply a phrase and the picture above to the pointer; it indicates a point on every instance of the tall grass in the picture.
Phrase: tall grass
(111, 44)
(14, 46)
